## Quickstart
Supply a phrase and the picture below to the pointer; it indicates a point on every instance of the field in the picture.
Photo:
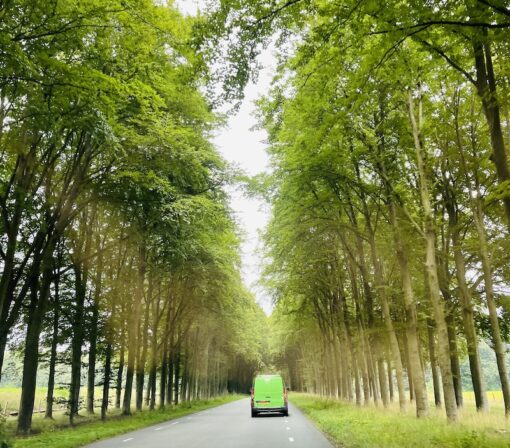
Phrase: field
(349, 426)
(495, 397)
(10, 397)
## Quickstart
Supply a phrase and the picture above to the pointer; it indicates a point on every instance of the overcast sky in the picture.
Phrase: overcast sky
(244, 147)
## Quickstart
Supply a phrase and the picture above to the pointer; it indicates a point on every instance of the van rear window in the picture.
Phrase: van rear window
(269, 385)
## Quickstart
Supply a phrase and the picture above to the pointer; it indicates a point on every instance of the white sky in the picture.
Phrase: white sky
(244, 147)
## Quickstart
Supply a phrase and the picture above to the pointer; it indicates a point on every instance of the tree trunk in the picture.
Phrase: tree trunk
(120, 373)
(133, 321)
(351, 369)
(184, 383)
(142, 360)
(390, 380)
(359, 340)
(431, 267)
(36, 312)
(140, 378)
(170, 382)
(383, 380)
(91, 383)
(128, 385)
(487, 91)
(388, 322)
(177, 366)
(409, 371)
(499, 347)
(77, 340)
(433, 363)
(163, 378)
(53, 356)
(91, 374)
(415, 371)
(106, 381)
(468, 321)
(152, 387)
(411, 345)
(22, 179)
(454, 358)
(30, 363)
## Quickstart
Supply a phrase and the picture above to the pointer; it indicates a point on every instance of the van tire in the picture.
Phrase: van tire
(253, 413)
(286, 412)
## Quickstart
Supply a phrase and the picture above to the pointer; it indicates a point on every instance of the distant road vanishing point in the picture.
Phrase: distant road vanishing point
(226, 426)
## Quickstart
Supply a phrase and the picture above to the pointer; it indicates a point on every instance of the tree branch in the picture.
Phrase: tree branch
(445, 23)
(500, 9)
(274, 12)
(449, 60)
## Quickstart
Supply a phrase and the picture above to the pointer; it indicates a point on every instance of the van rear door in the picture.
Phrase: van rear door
(268, 392)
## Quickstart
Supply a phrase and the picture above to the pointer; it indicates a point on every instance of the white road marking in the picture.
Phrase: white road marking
(127, 440)
(157, 429)
(175, 423)
(291, 439)
(286, 421)
(288, 429)
(189, 418)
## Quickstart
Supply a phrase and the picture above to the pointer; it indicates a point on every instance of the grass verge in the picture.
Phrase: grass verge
(349, 426)
(91, 431)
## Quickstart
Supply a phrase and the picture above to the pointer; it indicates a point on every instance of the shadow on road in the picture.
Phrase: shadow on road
(269, 414)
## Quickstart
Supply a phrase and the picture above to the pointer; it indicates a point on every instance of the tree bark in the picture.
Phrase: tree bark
(53, 355)
(431, 266)
(468, 321)
(390, 380)
(177, 365)
(130, 371)
(120, 371)
(454, 358)
(388, 322)
(91, 374)
(415, 371)
(37, 309)
(133, 321)
(77, 339)
(106, 380)
(383, 380)
(91, 379)
(163, 379)
(142, 359)
(487, 91)
(497, 340)
(22, 180)
(433, 363)
(170, 382)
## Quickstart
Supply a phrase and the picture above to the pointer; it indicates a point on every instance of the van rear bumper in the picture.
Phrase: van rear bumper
(282, 409)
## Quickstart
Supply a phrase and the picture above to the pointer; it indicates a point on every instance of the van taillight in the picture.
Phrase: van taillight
(284, 392)
(252, 392)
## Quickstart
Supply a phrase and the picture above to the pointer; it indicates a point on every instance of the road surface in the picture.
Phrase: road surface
(226, 426)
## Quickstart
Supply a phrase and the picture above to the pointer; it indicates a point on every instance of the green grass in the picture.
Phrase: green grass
(91, 429)
(350, 426)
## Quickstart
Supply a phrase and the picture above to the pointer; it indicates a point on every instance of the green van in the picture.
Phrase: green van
(269, 394)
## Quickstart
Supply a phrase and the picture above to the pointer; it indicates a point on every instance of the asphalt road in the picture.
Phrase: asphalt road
(226, 426)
